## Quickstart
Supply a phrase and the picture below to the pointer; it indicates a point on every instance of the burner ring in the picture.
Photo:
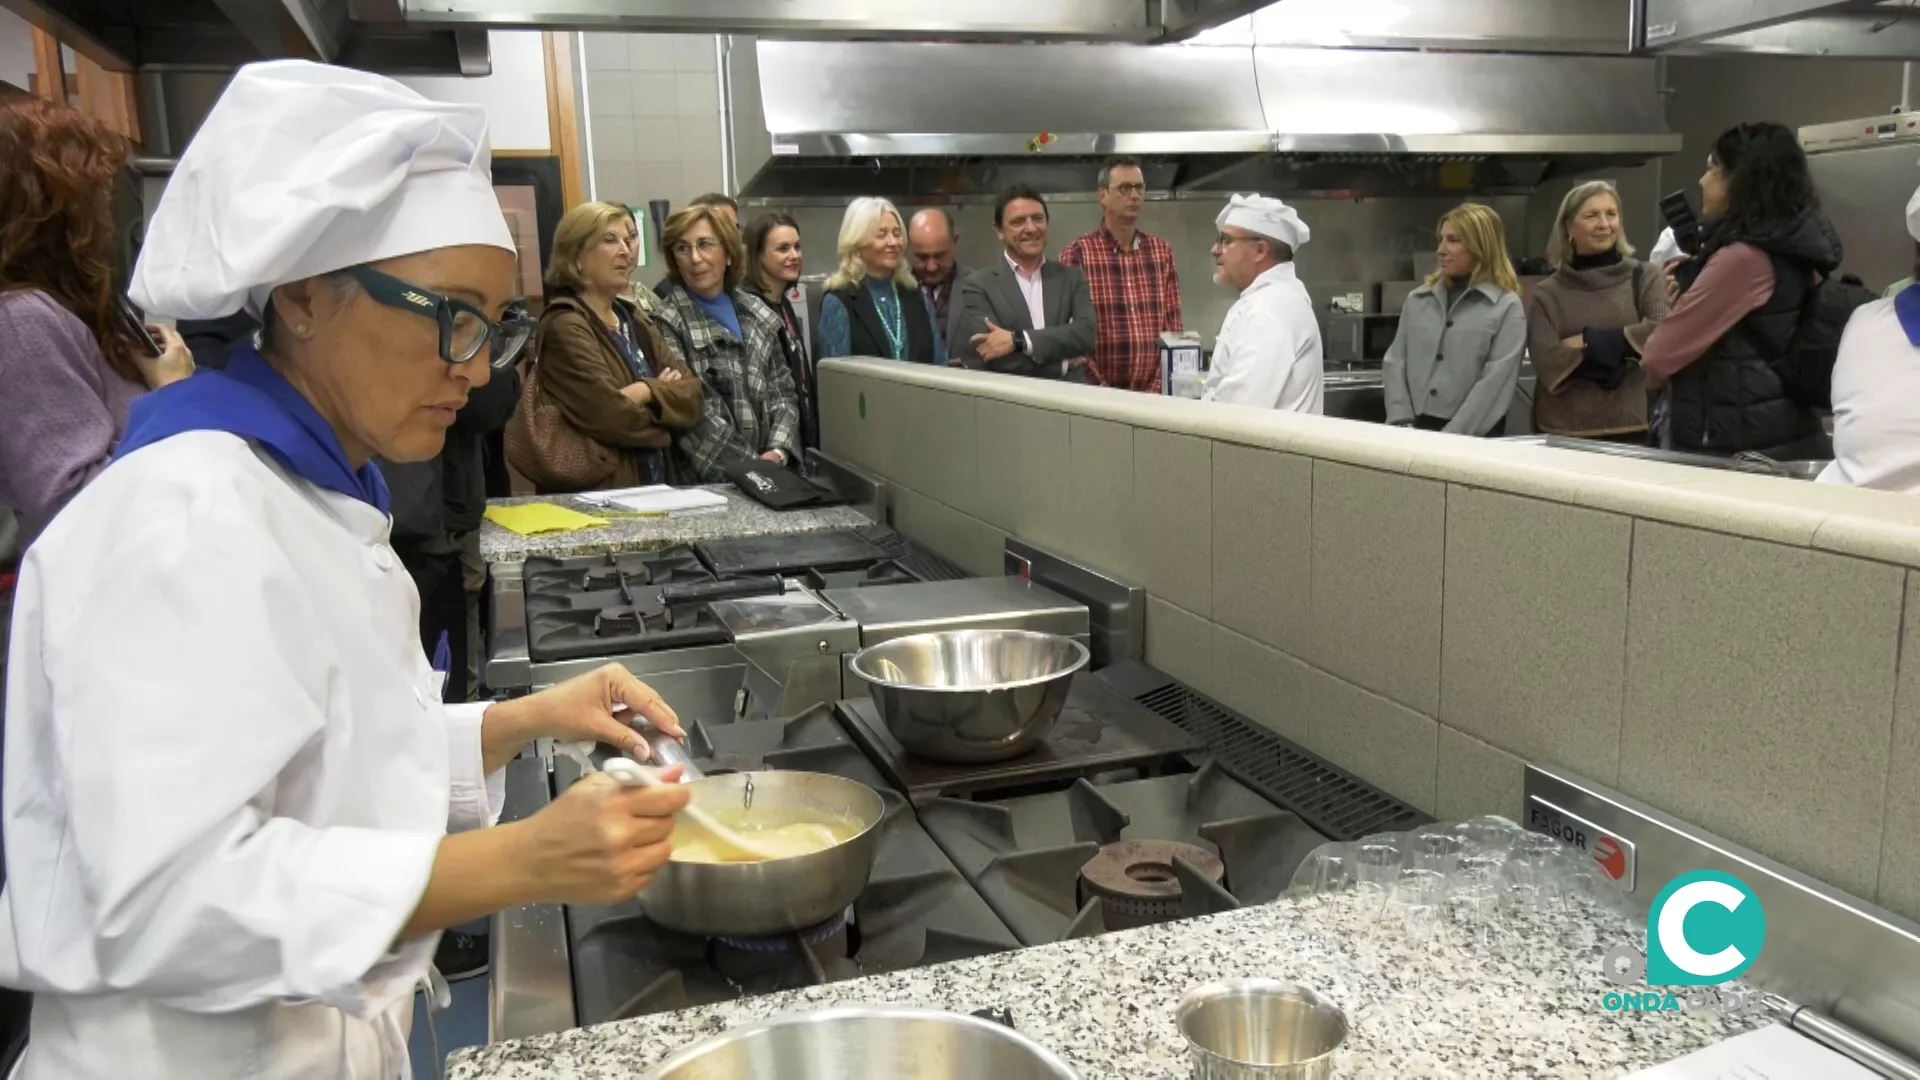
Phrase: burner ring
(1135, 882)
(772, 943)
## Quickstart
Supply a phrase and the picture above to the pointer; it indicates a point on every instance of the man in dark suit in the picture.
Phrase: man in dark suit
(1025, 314)
(931, 239)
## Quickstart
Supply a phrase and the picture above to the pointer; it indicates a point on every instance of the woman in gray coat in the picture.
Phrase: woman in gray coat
(1456, 357)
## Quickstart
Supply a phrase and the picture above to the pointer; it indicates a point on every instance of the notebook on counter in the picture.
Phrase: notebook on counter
(658, 499)
(1775, 1052)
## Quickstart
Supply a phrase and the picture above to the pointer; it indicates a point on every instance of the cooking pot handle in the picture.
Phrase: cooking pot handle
(999, 1014)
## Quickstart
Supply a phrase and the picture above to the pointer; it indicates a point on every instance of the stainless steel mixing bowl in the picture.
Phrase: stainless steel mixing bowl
(894, 1042)
(754, 899)
(970, 695)
(1260, 1029)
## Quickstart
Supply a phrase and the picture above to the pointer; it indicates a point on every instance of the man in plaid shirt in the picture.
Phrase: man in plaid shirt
(1136, 294)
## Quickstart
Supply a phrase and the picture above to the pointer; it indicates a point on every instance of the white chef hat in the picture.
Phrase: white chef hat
(302, 169)
(1665, 250)
(1268, 217)
(1913, 215)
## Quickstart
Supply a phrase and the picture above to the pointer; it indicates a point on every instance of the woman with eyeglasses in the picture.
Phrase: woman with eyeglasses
(601, 359)
(237, 815)
(730, 339)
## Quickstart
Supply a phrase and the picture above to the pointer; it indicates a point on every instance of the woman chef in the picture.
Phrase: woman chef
(229, 781)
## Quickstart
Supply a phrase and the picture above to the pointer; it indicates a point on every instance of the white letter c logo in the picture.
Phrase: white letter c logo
(1673, 936)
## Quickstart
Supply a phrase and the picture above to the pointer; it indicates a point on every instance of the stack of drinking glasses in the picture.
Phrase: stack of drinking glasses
(1487, 884)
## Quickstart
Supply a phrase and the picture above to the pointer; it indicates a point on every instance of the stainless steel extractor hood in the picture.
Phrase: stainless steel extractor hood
(823, 120)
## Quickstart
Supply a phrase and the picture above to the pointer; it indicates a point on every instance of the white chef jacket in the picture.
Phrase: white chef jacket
(1876, 404)
(1268, 352)
(227, 775)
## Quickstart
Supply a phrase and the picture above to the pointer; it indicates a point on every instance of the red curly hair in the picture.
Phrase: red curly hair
(56, 215)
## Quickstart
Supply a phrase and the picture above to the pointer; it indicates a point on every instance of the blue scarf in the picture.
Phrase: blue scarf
(257, 403)
(1906, 304)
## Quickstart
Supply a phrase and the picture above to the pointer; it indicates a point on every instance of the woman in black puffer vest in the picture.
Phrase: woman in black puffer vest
(1766, 243)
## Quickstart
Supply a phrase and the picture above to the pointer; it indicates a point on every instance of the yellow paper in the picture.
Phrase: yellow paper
(534, 518)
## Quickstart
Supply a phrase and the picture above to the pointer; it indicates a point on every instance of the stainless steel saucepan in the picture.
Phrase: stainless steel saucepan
(754, 899)
(894, 1042)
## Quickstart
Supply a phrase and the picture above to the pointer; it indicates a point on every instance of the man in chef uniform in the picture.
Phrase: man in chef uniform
(229, 780)
(1268, 352)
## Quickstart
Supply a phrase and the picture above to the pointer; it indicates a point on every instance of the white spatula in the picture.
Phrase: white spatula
(632, 773)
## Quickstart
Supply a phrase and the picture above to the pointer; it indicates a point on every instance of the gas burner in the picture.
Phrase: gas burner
(616, 622)
(599, 578)
(1136, 883)
(790, 941)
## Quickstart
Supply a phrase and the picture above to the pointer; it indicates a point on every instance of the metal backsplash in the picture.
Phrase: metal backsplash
(1824, 949)
(1116, 611)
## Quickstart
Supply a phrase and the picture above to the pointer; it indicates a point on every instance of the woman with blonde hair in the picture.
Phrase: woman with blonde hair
(873, 306)
(1583, 321)
(730, 340)
(1456, 356)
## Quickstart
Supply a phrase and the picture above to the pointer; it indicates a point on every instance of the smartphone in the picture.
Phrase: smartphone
(1683, 221)
(135, 325)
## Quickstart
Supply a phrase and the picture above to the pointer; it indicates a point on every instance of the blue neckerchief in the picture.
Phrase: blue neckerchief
(1906, 304)
(255, 402)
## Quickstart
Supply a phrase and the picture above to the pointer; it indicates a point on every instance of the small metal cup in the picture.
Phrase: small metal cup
(1260, 1029)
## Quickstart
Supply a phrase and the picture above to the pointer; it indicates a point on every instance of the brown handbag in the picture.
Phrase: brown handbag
(547, 450)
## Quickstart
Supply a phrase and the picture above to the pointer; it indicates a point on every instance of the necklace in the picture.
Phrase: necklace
(893, 320)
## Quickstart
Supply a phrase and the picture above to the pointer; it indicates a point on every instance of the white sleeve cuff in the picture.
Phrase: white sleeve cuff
(477, 798)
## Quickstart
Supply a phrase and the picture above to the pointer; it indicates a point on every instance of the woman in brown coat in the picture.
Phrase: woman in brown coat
(601, 359)
(1585, 324)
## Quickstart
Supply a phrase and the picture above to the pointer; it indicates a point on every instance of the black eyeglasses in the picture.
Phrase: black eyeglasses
(465, 330)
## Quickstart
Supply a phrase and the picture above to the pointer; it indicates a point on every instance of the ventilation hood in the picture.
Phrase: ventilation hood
(960, 121)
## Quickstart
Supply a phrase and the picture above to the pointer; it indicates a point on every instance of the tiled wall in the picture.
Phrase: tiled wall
(653, 119)
(1397, 604)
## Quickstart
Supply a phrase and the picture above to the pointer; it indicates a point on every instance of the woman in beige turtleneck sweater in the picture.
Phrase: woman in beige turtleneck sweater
(1585, 324)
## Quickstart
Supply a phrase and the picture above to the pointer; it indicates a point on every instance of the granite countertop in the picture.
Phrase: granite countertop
(743, 517)
(1527, 1004)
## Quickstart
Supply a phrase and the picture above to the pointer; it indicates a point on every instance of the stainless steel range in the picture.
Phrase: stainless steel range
(1117, 819)
(735, 627)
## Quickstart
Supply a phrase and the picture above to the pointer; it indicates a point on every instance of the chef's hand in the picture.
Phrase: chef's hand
(174, 363)
(601, 841)
(994, 344)
(580, 708)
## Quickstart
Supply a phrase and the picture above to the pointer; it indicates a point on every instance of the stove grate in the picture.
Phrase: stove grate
(1333, 802)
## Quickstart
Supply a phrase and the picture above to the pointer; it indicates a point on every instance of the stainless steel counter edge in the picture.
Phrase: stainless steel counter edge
(532, 973)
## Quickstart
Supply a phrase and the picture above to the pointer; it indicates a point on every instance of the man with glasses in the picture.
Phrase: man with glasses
(1268, 352)
(1136, 293)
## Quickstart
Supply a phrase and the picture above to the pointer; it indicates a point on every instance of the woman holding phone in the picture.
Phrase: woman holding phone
(72, 357)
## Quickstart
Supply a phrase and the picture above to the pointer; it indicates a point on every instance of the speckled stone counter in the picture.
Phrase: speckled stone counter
(743, 517)
(1527, 1004)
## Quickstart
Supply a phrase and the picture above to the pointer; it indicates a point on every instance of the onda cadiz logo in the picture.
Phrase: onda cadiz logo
(1705, 927)
(760, 482)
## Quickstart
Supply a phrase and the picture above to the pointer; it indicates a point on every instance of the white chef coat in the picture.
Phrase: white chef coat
(1268, 352)
(227, 775)
(1876, 404)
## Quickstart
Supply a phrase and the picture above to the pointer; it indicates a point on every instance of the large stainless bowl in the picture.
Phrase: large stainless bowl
(897, 1042)
(759, 898)
(970, 695)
